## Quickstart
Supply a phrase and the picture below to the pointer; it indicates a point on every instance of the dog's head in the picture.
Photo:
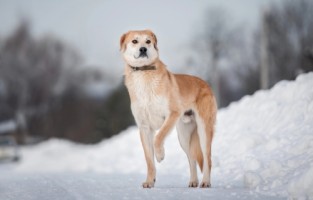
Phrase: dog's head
(139, 48)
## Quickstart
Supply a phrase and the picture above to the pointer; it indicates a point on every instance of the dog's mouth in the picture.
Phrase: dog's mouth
(142, 55)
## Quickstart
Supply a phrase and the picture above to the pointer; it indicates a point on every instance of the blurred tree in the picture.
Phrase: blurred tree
(283, 42)
(41, 79)
(232, 60)
(264, 61)
(214, 48)
(246, 64)
(290, 39)
(32, 69)
(215, 41)
(115, 115)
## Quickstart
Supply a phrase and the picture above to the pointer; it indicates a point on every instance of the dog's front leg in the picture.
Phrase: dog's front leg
(147, 144)
(164, 131)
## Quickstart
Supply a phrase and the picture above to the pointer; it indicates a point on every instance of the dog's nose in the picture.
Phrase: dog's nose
(143, 50)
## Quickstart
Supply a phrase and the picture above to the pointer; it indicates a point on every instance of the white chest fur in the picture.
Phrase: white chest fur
(150, 109)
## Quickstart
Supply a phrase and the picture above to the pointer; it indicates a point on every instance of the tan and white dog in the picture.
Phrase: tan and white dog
(160, 100)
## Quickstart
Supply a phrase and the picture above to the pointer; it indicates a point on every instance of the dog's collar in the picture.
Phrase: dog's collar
(143, 68)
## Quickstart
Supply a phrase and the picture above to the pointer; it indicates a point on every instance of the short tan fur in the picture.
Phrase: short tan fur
(160, 100)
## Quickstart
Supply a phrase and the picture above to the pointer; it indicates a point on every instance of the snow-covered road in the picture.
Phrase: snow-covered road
(94, 186)
(263, 149)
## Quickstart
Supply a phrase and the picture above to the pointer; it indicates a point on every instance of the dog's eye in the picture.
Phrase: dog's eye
(135, 41)
(148, 41)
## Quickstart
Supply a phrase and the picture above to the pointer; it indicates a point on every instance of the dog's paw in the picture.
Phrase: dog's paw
(159, 153)
(193, 184)
(148, 184)
(205, 185)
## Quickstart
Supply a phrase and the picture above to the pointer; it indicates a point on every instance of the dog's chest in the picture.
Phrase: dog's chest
(150, 108)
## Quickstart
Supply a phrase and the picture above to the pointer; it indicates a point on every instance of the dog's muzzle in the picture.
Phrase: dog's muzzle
(143, 52)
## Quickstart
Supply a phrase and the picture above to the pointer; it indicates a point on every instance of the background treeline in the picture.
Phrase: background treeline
(49, 92)
(232, 59)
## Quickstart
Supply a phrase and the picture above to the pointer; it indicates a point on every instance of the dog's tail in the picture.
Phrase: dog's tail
(195, 149)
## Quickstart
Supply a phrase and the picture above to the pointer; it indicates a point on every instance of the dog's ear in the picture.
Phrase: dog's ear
(122, 40)
(155, 39)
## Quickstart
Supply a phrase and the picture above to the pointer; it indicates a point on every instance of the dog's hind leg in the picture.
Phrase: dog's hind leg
(147, 144)
(205, 119)
(205, 144)
(186, 127)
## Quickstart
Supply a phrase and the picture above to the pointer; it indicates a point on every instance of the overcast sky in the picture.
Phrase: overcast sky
(95, 26)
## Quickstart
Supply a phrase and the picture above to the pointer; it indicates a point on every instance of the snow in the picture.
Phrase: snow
(92, 186)
(267, 140)
(7, 126)
(263, 149)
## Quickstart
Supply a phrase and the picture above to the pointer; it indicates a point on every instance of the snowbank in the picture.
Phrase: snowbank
(266, 140)
(263, 142)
